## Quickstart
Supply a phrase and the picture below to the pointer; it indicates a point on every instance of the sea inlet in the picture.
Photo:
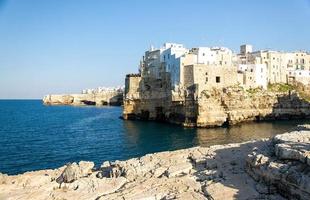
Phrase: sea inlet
(34, 136)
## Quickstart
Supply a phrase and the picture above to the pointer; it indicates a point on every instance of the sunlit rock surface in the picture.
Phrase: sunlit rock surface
(99, 99)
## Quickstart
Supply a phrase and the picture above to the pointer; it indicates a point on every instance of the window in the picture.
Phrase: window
(206, 79)
(220, 62)
(251, 70)
(168, 56)
(218, 79)
(261, 70)
(206, 73)
(203, 54)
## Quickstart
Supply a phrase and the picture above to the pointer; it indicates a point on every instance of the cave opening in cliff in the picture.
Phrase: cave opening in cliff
(226, 123)
(104, 103)
(90, 103)
(160, 116)
(145, 114)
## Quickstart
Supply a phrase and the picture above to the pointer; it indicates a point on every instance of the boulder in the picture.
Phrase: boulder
(75, 171)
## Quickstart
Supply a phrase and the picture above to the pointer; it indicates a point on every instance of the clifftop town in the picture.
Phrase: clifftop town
(208, 87)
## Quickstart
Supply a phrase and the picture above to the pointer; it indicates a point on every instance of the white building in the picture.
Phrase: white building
(256, 68)
(204, 55)
(155, 62)
(245, 49)
(254, 75)
(299, 75)
(170, 56)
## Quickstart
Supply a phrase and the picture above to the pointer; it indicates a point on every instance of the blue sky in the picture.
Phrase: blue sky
(64, 46)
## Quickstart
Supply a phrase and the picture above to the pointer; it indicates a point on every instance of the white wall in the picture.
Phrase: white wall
(258, 72)
(170, 56)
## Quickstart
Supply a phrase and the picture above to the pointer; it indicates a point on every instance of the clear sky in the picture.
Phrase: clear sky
(49, 46)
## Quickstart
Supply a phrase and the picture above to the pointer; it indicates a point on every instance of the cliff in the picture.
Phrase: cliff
(99, 99)
(234, 105)
(274, 168)
(211, 107)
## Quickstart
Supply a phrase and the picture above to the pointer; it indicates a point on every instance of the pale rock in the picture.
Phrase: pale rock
(180, 169)
(3, 178)
(74, 171)
(86, 167)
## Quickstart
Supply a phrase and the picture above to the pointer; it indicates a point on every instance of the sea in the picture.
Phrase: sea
(34, 136)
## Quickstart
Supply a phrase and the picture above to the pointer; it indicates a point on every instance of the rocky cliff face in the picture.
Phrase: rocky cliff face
(275, 168)
(99, 99)
(217, 107)
(234, 105)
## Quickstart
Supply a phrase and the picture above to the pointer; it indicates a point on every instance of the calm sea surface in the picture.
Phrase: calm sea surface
(34, 136)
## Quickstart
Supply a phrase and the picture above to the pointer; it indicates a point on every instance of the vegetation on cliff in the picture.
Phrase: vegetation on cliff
(301, 89)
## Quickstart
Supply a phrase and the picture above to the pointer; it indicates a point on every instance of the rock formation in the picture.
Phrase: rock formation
(285, 167)
(211, 107)
(276, 168)
(99, 99)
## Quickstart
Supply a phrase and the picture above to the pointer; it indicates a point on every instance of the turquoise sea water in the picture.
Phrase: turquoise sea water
(34, 136)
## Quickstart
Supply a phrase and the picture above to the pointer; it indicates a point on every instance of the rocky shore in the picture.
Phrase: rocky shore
(99, 99)
(276, 168)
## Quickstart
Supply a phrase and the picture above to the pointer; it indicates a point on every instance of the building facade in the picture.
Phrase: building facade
(207, 67)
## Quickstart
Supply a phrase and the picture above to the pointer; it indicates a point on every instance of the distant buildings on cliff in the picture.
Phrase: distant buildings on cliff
(208, 67)
(103, 90)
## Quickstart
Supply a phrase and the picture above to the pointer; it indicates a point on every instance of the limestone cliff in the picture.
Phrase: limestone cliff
(210, 107)
(275, 168)
(99, 99)
(234, 105)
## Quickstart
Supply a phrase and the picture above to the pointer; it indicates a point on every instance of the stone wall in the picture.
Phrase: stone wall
(209, 76)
